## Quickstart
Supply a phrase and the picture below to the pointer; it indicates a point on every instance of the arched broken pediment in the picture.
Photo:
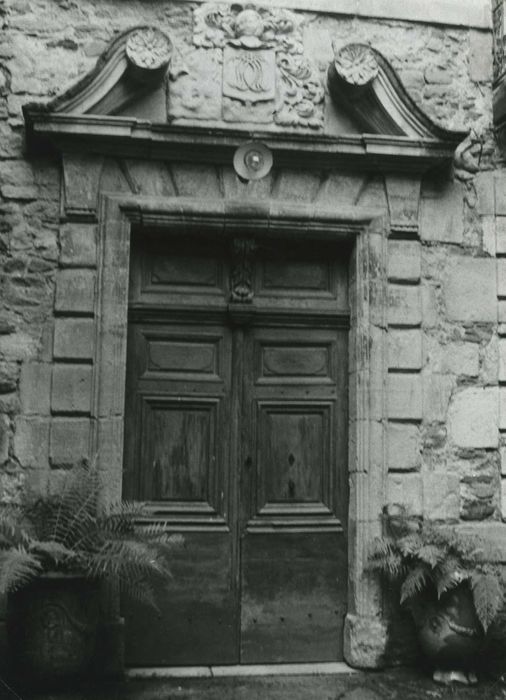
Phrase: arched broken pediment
(246, 73)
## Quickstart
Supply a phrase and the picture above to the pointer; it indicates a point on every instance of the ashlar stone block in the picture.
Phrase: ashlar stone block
(500, 235)
(404, 261)
(503, 460)
(406, 489)
(31, 441)
(404, 445)
(502, 408)
(405, 396)
(503, 498)
(488, 235)
(74, 338)
(405, 348)
(441, 496)
(35, 388)
(442, 212)
(69, 442)
(473, 418)
(404, 305)
(484, 183)
(501, 277)
(437, 390)
(470, 289)
(365, 641)
(71, 391)
(462, 359)
(78, 245)
(480, 56)
(500, 193)
(502, 359)
(75, 291)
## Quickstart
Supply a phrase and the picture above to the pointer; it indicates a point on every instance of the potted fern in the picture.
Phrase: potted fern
(452, 592)
(55, 552)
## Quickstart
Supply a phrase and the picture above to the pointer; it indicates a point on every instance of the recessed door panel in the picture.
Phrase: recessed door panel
(179, 448)
(293, 452)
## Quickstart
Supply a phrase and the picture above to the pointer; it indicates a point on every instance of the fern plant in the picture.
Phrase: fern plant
(431, 559)
(70, 532)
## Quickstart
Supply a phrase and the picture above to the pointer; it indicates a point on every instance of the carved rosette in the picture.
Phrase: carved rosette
(261, 44)
(148, 51)
(356, 64)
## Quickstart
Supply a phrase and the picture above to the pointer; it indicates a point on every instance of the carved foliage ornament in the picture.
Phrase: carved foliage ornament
(263, 57)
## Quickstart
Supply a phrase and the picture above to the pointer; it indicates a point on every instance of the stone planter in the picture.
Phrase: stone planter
(450, 635)
(52, 629)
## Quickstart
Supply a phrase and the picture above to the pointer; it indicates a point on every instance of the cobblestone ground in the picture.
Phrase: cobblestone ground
(398, 684)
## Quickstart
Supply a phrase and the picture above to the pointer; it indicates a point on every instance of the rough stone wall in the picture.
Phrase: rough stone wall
(447, 303)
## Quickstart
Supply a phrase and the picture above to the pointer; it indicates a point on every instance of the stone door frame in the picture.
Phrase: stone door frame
(365, 632)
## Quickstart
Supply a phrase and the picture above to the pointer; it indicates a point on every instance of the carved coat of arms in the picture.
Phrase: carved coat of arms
(266, 76)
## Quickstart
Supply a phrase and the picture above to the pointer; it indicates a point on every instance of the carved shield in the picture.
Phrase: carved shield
(249, 75)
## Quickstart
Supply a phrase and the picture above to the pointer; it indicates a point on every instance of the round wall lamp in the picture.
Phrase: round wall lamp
(252, 161)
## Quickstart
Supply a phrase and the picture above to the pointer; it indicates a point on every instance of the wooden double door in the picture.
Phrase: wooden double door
(236, 435)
